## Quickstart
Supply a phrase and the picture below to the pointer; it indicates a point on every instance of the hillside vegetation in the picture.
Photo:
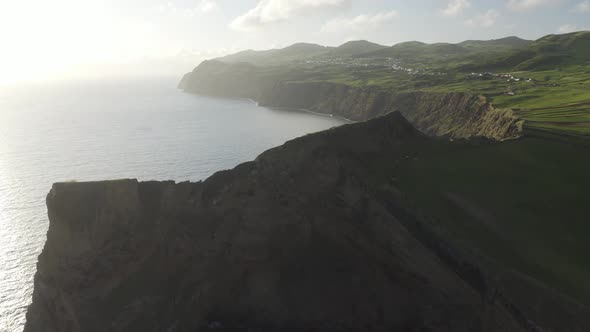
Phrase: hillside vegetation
(519, 204)
(546, 82)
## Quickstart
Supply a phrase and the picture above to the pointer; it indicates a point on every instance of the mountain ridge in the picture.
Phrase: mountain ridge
(512, 51)
(367, 48)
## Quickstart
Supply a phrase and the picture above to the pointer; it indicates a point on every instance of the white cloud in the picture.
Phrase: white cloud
(485, 20)
(172, 9)
(529, 4)
(207, 5)
(582, 7)
(456, 7)
(271, 11)
(359, 23)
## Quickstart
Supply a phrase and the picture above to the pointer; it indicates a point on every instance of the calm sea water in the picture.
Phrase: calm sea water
(144, 129)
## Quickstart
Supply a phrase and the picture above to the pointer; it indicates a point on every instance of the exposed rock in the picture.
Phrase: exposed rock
(300, 239)
(456, 115)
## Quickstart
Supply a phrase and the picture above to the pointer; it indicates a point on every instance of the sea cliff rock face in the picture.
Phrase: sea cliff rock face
(455, 115)
(300, 239)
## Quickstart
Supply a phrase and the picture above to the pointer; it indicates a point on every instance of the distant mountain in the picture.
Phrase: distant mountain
(356, 47)
(303, 50)
(501, 44)
(577, 41)
(497, 54)
(418, 51)
(548, 52)
(556, 50)
(575, 45)
(298, 51)
(251, 56)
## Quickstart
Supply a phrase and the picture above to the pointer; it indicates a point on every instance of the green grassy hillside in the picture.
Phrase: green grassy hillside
(413, 52)
(295, 52)
(496, 45)
(353, 48)
(546, 81)
(514, 202)
(549, 52)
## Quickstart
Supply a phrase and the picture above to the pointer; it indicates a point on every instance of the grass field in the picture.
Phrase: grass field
(557, 100)
(522, 203)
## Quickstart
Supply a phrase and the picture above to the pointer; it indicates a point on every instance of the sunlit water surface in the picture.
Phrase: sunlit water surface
(144, 129)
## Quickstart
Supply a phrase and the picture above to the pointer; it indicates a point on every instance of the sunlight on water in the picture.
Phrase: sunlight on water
(93, 131)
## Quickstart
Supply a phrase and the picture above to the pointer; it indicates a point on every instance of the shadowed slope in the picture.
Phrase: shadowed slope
(299, 239)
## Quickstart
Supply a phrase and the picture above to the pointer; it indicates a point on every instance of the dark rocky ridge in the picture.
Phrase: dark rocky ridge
(301, 239)
(456, 115)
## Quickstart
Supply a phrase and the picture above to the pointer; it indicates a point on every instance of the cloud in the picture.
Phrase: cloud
(485, 20)
(207, 5)
(359, 23)
(172, 9)
(582, 7)
(272, 11)
(456, 7)
(530, 4)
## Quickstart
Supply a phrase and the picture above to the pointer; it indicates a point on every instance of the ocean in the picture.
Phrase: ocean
(111, 129)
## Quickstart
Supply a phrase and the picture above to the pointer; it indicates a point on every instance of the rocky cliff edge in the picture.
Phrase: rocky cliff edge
(301, 239)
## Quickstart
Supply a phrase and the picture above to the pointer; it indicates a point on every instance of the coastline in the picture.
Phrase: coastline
(312, 112)
(297, 109)
(273, 107)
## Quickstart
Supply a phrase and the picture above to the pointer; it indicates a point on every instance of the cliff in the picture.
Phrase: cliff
(306, 237)
(456, 115)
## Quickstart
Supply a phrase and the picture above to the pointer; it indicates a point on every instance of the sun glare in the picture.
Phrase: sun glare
(59, 37)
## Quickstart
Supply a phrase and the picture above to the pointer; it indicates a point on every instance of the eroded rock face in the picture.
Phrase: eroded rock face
(297, 240)
(456, 115)
(450, 114)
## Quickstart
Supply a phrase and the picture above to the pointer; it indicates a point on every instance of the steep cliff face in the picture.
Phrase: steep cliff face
(303, 238)
(356, 104)
(456, 115)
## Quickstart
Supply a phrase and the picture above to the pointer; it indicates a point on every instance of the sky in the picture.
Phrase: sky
(59, 39)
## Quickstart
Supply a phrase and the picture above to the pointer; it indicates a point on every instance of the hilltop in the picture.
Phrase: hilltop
(293, 52)
(510, 53)
(496, 45)
(413, 50)
(355, 48)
